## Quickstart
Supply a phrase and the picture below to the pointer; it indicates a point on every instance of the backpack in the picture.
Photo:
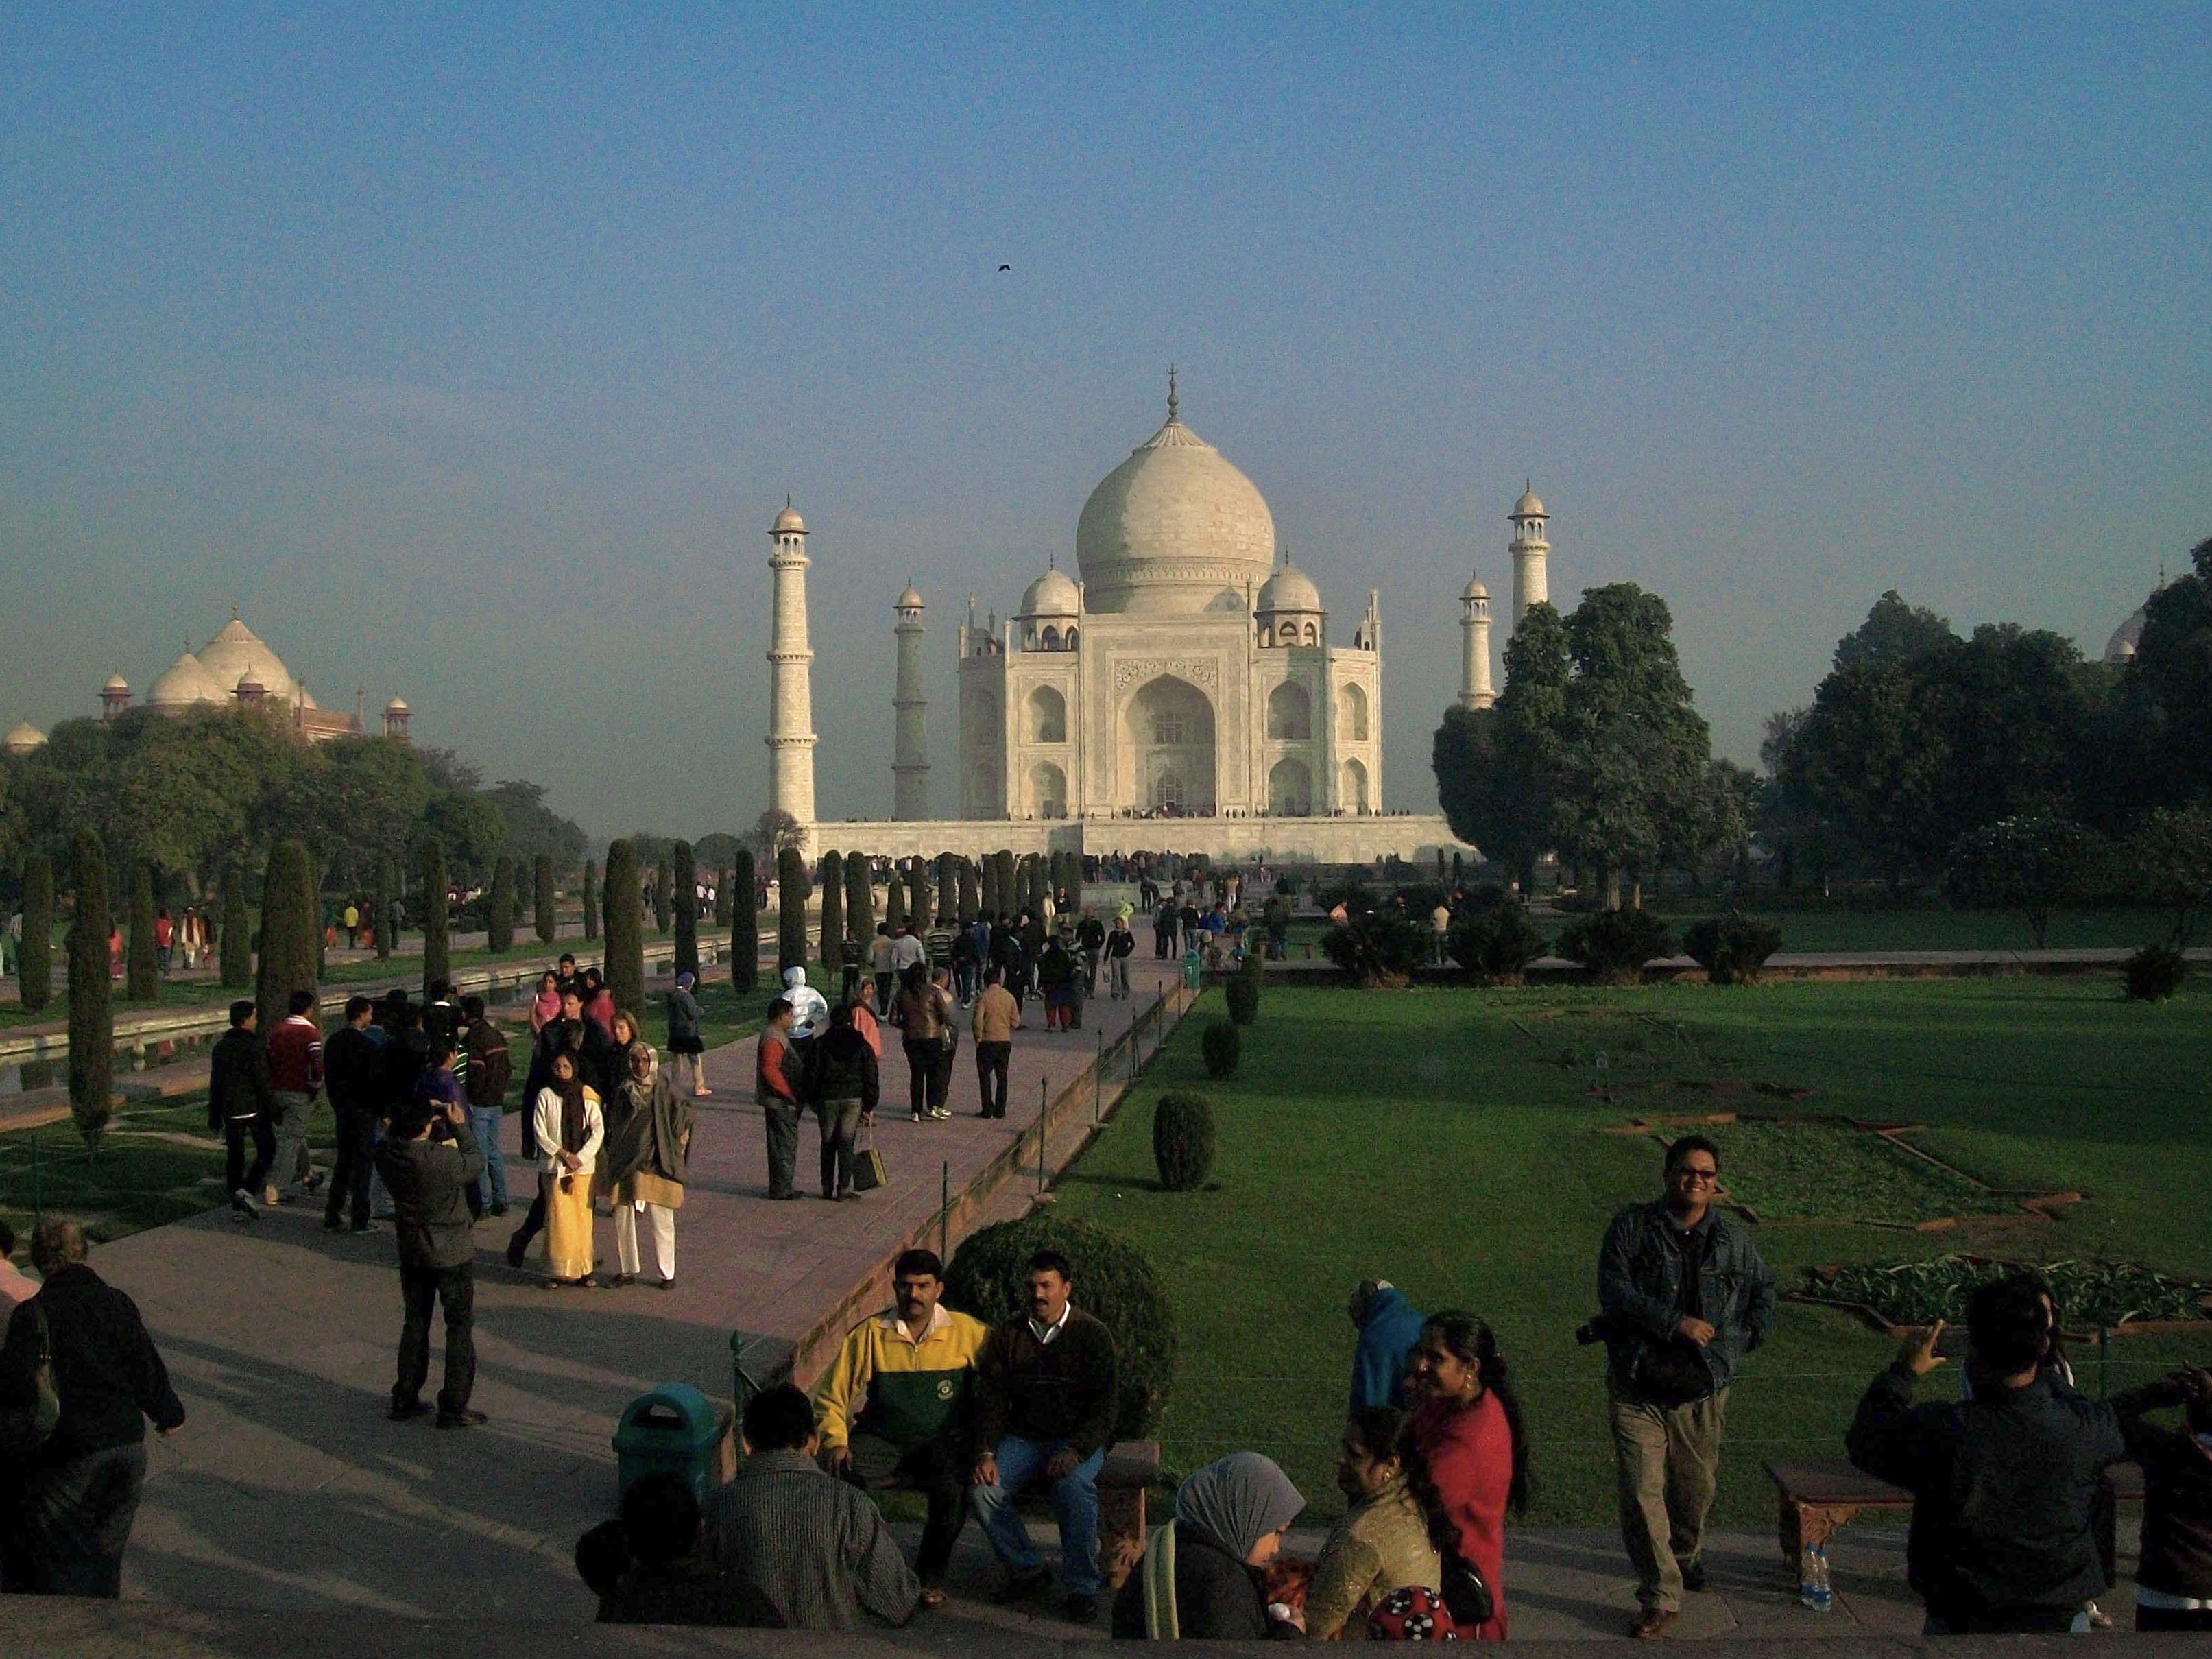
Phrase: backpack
(25, 1429)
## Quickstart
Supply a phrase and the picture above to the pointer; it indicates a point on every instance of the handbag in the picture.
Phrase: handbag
(868, 1170)
(24, 1429)
(1466, 1595)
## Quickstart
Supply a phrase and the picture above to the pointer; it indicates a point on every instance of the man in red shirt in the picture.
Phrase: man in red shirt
(775, 1087)
(296, 1072)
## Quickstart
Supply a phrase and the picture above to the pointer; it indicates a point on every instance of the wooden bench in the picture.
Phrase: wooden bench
(1130, 1466)
(1820, 1495)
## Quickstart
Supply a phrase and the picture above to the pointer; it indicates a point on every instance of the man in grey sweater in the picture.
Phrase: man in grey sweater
(815, 1546)
(428, 1163)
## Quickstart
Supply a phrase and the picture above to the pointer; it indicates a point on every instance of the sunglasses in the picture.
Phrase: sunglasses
(1705, 1177)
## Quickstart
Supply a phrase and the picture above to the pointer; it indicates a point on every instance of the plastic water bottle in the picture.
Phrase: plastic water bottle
(1812, 1587)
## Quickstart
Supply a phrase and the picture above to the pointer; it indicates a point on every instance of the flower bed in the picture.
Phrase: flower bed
(1833, 1170)
(2091, 1295)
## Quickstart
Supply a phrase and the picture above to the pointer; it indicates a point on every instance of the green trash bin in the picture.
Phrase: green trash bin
(672, 1430)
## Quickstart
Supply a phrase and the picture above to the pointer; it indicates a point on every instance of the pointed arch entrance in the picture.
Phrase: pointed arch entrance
(1165, 747)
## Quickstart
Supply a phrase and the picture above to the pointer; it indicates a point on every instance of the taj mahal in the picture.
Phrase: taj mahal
(1182, 687)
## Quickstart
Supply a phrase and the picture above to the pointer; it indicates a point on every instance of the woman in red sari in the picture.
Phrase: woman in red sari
(1467, 1425)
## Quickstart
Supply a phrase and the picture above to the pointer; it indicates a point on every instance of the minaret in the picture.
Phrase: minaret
(1529, 550)
(909, 745)
(791, 704)
(1474, 690)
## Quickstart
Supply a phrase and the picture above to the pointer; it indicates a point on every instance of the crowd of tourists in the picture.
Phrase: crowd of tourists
(1433, 1458)
(2011, 1522)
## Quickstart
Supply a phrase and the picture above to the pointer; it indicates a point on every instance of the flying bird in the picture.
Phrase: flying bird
(1006, 267)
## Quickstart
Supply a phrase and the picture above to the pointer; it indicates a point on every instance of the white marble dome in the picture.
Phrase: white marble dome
(1050, 595)
(238, 655)
(23, 738)
(184, 682)
(1172, 528)
(1288, 589)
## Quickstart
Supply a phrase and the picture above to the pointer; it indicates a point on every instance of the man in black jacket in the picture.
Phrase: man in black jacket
(2003, 1537)
(242, 1102)
(80, 1488)
(353, 1074)
(843, 1084)
(1045, 1401)
(428, 1163)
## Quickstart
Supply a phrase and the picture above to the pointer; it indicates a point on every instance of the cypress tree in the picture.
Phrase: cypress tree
(142, 967)
(91, 1013)
(968, 910)
(832, 875)
(722, 898)
(790, 910)
(542, 897)
(895, 902)
(381, 917)
(499, 906)
(987, 884)
(948, 889)
(1025, 883)
(684, 873)
(745, 926)
(290, 933)
(235, 959)
(1009, 902)
(437, 948)
(625, 922)
(661, 908)
(34, 973)
(591, 899)
(917, 892)
(859, 902)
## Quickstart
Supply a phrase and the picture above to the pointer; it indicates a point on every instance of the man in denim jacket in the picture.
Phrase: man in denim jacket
(1685, 1297)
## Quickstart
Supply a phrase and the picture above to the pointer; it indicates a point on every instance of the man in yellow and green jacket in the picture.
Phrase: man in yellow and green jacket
(895, 1408)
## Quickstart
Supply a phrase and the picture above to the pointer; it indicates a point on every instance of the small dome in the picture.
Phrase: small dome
(1529, 506)
(788, 519)
(909, 600)
(116, 682)
(23, 738)
(183, 682)
(2121, 648)
(397, 706)
(1050, 595)
(1288, 589)
(1475, 589)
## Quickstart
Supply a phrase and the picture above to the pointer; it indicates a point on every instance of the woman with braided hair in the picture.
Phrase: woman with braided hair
(1466, 1427)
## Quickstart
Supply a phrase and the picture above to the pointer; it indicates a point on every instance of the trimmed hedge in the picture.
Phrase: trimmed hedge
(1493, 938)
(142, 966)
(591, 899)
(35, 971)
(1615, 945)
(291, 933)
(663, 882)
(624, 906)
(790, 910)
(500, 906)
(1113, 1283)
(542, 898)
(234, 951)
(1221, 1046)
(1731, 948)
(745, 926)
(437, 945)
(2155, 973)
(1243, 992)
(859, 902)
(831, 873)
(1377, 947)
(1183, 1141)
(381, 918)
(683, 900)
(91, 1010)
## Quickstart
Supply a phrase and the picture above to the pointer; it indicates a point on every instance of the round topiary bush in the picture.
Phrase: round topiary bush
(1612, 946)
(1243, 991)
(1183, 1141)
(1113, 1283)
(2155, 973)
(1493, 938)
(1221, 1046)
(1731, 948)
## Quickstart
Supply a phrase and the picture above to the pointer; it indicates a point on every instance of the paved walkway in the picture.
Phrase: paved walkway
(288, 1489)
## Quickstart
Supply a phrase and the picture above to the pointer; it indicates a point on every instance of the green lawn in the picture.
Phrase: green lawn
(1452, 1141)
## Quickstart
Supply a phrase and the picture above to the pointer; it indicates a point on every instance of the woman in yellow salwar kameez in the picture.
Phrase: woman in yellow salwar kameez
(569, 1128)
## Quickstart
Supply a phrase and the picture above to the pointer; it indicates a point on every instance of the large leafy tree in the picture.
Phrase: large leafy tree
(1497, 768)
(1632, 769)
(533, 828)
(1895, 634)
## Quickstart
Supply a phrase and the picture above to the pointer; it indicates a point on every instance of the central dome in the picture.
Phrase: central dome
(1172, 529)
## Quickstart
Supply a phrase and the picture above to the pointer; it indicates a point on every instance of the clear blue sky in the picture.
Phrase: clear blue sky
(472, 354)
